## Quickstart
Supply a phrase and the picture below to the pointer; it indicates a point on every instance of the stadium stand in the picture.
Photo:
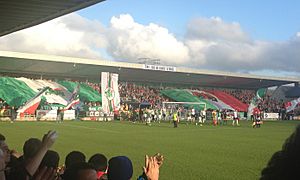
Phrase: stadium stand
(14, 92)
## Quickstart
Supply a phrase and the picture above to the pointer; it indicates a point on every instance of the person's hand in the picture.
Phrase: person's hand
(49, 139)
(15, 153)
(45, 174)
(159, 158)
(151, 168)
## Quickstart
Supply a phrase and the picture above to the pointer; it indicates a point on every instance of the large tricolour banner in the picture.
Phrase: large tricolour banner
(33, 103)
(110, 92)
(50, 95)
(212, 99)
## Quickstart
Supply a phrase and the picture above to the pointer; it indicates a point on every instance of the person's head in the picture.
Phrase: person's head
(3, 144)
(284, 164)
(74, 157)
(99, 161)
(119, 168)
(31, 147)
(80, 171)
(4, 148)
(51, 159)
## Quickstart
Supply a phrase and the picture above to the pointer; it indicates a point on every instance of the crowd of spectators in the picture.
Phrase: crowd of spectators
(38, 162)
(130, 92)
(134, 93)
(95, 86)
(269, 104)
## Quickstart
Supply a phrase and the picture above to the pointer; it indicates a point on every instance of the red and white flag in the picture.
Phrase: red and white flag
(32, 104)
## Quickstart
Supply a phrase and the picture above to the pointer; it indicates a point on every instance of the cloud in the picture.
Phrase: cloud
(130, 40)
(70, 35)
(209, 43)
(216, 44)
(215, 28)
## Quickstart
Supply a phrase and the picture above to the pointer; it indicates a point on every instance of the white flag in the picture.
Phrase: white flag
(110, 92)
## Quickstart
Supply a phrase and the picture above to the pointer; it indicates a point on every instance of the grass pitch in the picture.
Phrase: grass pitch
(191, 152)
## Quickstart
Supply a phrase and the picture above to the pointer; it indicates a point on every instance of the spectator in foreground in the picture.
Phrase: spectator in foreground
(151, 168)
(99, 161)
(81, 171)
(50, 160)
(119, 168)
(3, 154)
(5, 150)
(48, 166)
(284, 164)
(74, 157)
(34, 151)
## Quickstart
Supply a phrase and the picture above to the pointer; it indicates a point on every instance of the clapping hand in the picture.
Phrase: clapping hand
(152, 165)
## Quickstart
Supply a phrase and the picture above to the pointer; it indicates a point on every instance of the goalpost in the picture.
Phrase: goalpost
(171, 106)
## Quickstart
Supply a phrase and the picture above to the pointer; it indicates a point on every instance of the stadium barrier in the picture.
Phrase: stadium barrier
(97, 116)
(271, 116)
(51, 115)
(46, 115)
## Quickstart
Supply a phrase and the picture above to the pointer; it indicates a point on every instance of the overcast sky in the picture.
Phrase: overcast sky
(239, 36)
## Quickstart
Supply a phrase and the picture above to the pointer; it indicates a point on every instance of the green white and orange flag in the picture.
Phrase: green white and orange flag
(110, 92)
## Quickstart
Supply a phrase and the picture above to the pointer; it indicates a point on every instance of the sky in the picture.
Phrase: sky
(256, 37)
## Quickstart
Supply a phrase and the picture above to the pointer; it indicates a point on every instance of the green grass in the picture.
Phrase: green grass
(191, 152)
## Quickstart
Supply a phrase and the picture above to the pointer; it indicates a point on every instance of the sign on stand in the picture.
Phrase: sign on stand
(271, 116)
(46, 115)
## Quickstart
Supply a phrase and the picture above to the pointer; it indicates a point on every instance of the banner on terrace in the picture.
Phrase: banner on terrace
(291, 105)
(260, 94)
(74, 99)
(110, 92)
(33, 103)
(52, 95)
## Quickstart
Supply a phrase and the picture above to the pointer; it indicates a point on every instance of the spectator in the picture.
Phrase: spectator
(4, 156)
(81, 171)
(74, 157)
(5, 149)
(284, 164)
(50, 160)
(119, 168)
(99, 161)
(34, 151)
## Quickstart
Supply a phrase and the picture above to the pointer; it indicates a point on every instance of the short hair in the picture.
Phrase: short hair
(74, 157)
(2, 137)
(31, 147)
(73, 172)
(99, 161)
(51, 159)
